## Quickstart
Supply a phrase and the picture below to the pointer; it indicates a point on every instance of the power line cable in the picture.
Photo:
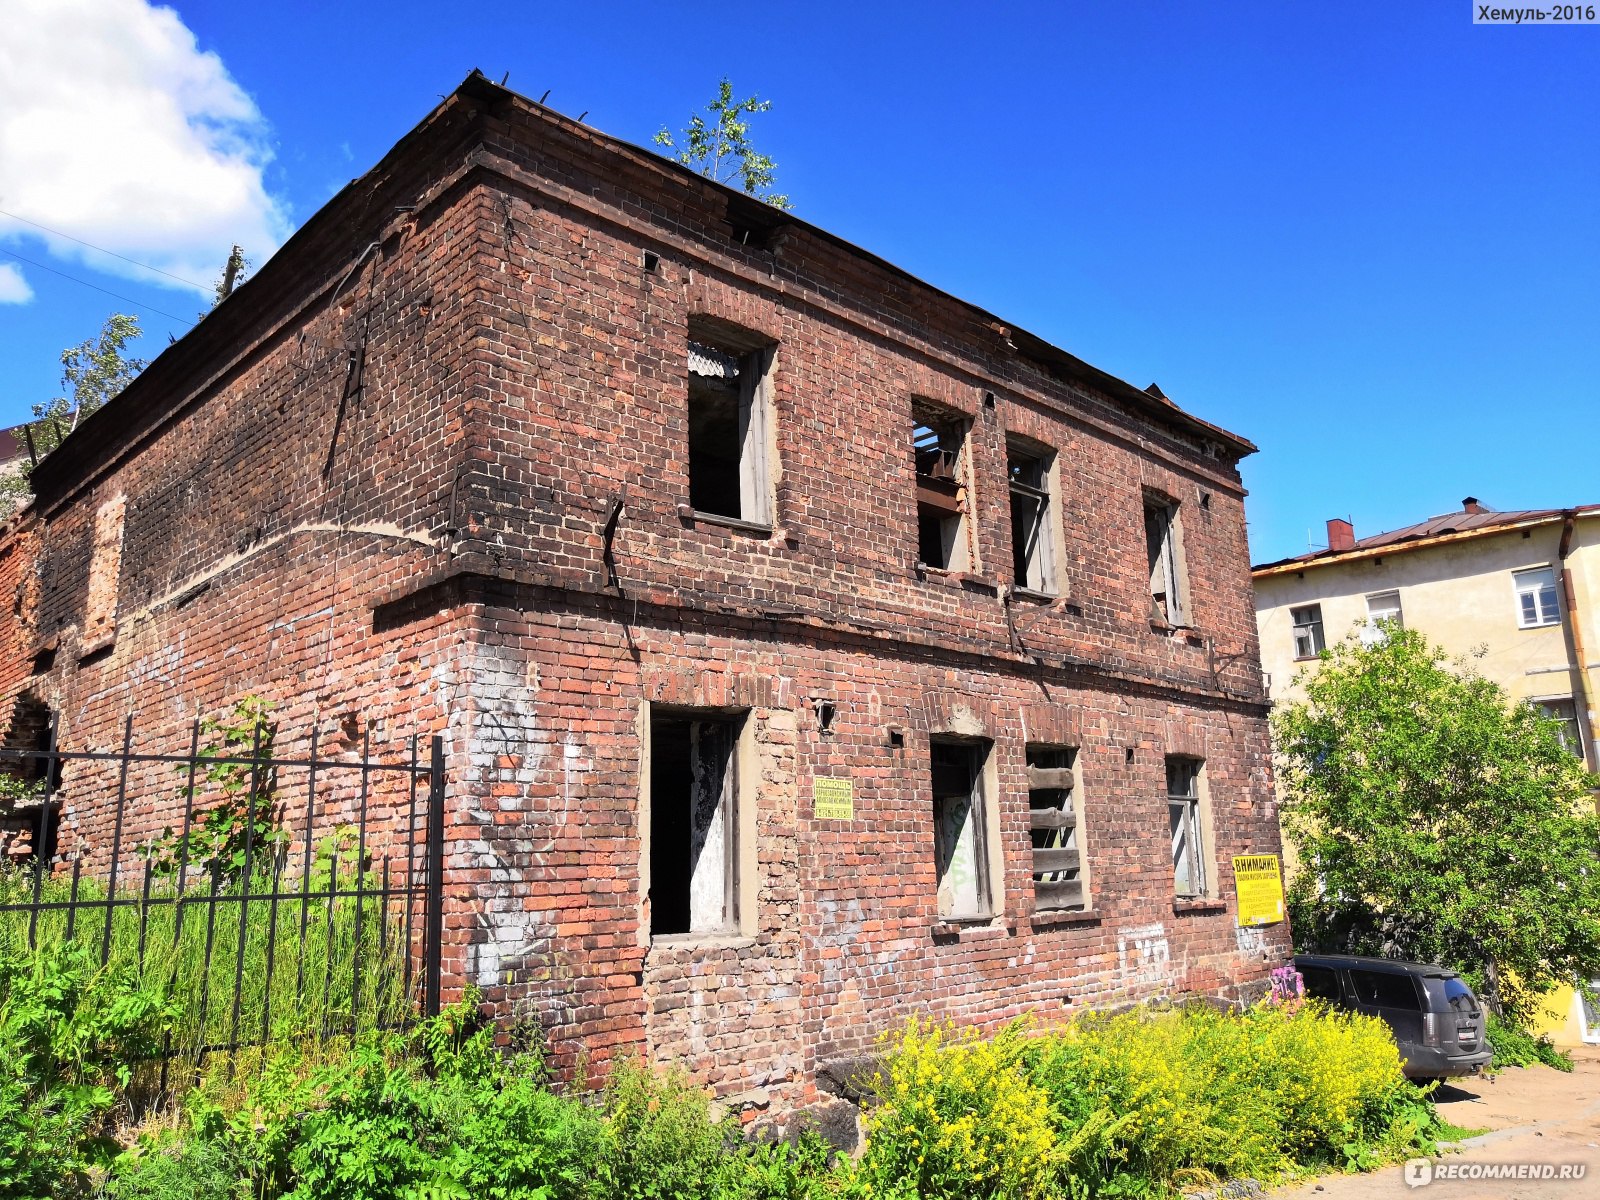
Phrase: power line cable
(114, 295)
(103, 250)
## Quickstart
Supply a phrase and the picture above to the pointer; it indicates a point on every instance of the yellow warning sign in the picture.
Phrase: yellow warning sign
(1259, 885)
(833, 799)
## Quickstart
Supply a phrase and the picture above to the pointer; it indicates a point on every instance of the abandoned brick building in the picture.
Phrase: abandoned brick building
(811, 648)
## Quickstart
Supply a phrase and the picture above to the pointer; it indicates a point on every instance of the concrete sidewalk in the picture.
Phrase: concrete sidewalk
(1544, 1118)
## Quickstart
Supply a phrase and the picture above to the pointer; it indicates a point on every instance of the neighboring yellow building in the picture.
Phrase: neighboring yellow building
(1523, 587)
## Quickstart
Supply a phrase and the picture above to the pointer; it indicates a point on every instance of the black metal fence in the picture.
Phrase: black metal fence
(269, 896)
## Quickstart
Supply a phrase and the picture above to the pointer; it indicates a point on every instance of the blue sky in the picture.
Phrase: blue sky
(1366, 236)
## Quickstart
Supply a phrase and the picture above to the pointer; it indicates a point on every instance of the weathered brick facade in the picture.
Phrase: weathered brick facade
(428, 471)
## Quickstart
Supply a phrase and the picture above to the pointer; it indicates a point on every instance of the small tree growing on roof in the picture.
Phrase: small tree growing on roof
(720, 148)
(92, 372)
(1439, 821)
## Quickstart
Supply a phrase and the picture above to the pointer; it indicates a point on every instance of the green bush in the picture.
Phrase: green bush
(958, 1117)
(69, 1032)
(312, 945)
(1140, 1103)
(434, 1114)
(1516, 1047)
(661, 1142)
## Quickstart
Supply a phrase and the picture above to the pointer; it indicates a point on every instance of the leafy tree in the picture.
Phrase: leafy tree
(234, 272)
(92, 372)
(1439, 821)
(720, 148)
(234, 801)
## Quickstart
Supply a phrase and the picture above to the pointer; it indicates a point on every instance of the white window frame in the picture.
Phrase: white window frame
(1379, 610)
(1536, 584)
(1314, 627)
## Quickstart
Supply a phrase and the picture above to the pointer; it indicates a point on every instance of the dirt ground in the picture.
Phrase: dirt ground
(1534, 1116)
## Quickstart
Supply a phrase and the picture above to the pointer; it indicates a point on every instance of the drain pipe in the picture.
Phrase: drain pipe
(1569, 519)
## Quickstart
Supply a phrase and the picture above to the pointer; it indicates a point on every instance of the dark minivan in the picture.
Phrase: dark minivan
(1437, 1021)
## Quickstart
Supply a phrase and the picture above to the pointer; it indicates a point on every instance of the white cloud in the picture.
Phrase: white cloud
(115, 128)
(14, 288)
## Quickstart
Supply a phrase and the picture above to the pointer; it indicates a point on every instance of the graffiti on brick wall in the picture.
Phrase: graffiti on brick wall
(1144, 956)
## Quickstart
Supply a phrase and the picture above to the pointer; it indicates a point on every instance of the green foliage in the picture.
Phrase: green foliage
(1443, 822)
(437, 1113)
(234, 272)
(958, 1117)
(1132, 1105)
(1140, 1104)
(663, 1144)
(92, 372)
(178, 1167)
(720, 148)
(69, 1034)
(1517, 1047)
(235, 825)
(314, 945)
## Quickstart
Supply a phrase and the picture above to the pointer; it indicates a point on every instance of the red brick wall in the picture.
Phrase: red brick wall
(429, 551)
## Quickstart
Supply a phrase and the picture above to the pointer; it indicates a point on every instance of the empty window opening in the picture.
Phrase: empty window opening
(1536, 597)
(825, 711)
(729, 414)
(693, 830)
(960, 839)
(1162, 544)
(1058, 881)
(1032, 518)
(938, 442)
(1183, 815)
(32, 783)
(1308, 639)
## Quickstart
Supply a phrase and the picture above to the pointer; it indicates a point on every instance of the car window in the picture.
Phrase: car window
(1381, 989)
(1321, 983)
(1459, 996)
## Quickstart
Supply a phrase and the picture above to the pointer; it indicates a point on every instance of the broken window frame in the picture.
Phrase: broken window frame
(1060, 872)
(1186, 826)
(1163, 534)
(939, 451)
(1033, 515)
(976, 848)
(716, 918)
(716, 352)
(1309, 640)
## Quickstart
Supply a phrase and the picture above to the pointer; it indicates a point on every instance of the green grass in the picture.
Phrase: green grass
(301, 967)
(1448, 1133)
